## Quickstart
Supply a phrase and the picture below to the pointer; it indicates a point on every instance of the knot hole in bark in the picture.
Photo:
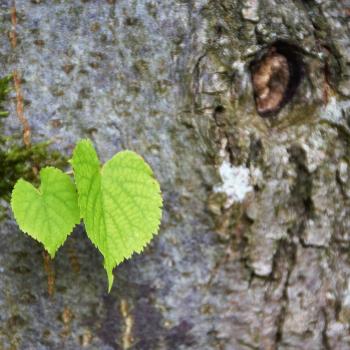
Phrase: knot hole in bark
(276, 73)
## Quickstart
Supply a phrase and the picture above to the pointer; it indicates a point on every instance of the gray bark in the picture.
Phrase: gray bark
(253, 251)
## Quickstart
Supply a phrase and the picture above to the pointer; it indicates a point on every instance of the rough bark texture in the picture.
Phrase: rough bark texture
(253, 251)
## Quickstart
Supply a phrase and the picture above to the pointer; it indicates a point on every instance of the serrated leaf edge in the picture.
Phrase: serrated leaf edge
(88, 141)
(52, 254)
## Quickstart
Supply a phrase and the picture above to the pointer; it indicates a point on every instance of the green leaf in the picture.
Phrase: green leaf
(120, 203)
(47, 214)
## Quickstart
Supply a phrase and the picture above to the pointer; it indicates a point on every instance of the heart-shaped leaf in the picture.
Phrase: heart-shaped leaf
(47, 214)
(120, 203)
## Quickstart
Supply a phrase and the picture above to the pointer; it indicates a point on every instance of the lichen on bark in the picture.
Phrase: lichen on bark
(171, 80)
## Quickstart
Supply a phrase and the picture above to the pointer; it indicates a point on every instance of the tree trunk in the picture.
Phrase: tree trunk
(242, 109)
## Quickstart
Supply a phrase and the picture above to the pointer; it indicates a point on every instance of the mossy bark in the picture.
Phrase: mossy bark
(253, 251)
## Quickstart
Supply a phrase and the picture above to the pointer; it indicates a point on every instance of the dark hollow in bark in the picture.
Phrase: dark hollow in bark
(276, 73)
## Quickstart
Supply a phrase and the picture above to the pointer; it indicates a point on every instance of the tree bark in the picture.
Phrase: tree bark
(253, 250)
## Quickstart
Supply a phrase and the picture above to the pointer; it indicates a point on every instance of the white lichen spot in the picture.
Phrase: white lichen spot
(343, 171)
(240, 69)
(250, 10)
(334, 110)
(235, 182)
(313, 148)
(262, 267)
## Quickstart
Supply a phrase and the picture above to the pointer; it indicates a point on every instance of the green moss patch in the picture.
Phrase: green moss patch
(16, 160)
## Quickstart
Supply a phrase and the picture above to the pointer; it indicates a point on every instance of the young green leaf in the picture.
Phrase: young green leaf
(47, 214)
(120, 203)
